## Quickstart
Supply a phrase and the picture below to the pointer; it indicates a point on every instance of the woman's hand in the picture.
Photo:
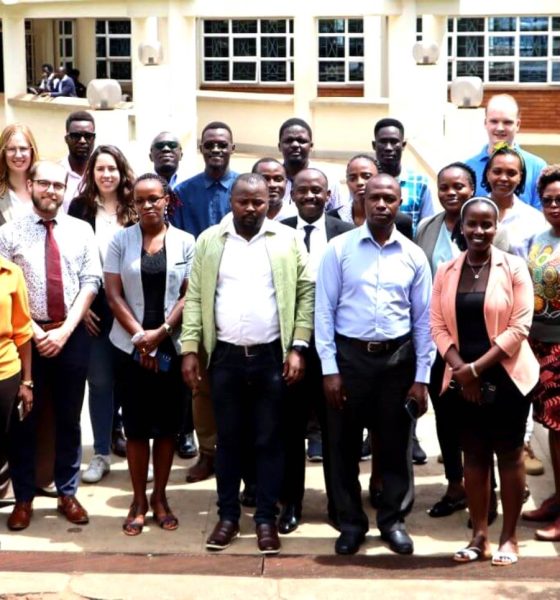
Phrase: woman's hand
(91, 321)
(463, 375)
(149, 362)
(472, 392)
(25, 396)
(151, 339)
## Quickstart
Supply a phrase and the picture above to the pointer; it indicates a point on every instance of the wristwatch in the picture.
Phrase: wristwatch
(27, 383)
(168, 328)
(299, 348)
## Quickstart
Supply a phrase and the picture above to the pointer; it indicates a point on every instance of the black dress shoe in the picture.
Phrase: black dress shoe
(419, 457)
(399, 541)
(118, 443)
(349, 542)
(289, 519)
(186, 445)
(447, 506)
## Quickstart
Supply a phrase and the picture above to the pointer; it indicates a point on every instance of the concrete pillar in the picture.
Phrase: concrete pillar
(84, 40)
(373, 52)
(181, 92)
(305, 65)
(401, 66)
(13, 46)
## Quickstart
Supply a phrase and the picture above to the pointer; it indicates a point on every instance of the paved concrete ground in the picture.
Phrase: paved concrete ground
(98, 561)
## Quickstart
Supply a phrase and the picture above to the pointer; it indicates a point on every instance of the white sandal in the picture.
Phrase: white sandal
(504, 559)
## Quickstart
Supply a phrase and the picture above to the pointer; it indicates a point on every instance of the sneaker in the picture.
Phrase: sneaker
(98, 467)
(533, 465)
(314, 450)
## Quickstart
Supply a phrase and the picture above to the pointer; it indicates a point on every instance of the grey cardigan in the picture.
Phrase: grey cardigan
(427, 235)
(124, 258)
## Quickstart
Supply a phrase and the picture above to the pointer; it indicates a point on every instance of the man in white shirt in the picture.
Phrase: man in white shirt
(80, 139)
(250, 304)
(310, 194)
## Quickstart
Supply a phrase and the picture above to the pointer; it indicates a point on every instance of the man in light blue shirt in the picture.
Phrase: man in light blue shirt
(372, 334)
(502, 122)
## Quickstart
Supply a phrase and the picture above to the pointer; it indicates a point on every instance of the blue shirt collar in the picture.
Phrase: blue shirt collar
(209, 182)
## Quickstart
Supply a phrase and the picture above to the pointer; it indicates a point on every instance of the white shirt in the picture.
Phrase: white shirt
(23, 241)
(72, 184)
(106, 225)
(19, 207)
(317, 242)
(246, 310)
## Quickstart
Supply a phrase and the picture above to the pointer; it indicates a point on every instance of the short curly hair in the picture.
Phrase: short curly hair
(548, 175)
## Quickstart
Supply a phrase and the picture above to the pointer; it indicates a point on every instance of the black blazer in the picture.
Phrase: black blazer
(333, 225)
(403, 222)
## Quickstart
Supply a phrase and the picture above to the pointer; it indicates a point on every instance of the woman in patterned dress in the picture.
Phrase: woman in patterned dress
(544, 263)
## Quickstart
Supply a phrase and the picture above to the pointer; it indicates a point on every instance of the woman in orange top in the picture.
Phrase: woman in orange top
(15, 345)
(482, 308)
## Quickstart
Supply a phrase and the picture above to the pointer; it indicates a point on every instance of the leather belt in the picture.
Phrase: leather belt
(50, 325)
(384, 347)
(248, 351)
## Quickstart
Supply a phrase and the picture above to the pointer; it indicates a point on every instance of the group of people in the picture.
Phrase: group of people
(279, 300)
(62, 82)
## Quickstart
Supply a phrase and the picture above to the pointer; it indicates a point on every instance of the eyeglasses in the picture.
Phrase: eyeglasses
(45, 184)
(161, 145)
(151, 200)
(76, 136)
(550, 200)
(13, 150)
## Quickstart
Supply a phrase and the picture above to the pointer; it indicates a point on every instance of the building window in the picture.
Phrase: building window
(66, 43)
(341, 51)
(112, 49)
(505, 50)
(248, 51)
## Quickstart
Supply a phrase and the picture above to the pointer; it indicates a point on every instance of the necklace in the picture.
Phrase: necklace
(476, 274)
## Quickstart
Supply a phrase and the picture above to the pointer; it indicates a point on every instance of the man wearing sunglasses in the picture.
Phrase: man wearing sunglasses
(80, 139)
(166, 154)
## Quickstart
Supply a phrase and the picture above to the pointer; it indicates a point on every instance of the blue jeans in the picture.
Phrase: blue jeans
(101, 382)
(248, 394)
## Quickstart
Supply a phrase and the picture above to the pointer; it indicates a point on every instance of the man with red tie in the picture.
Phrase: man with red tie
(60, 262)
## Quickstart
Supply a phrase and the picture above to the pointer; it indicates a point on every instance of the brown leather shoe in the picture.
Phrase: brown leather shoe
(72, 510)
(549, 510)
(550, 533)
(203, 468)
(267, 538)
(223, 534)
(21, 516)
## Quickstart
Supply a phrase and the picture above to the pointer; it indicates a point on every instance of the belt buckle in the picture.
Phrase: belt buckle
(246, 351)
(374, 347)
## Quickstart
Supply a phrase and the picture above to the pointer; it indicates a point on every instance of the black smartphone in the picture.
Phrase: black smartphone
(412, 408)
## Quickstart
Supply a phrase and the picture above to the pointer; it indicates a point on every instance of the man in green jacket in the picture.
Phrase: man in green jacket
(250, 306)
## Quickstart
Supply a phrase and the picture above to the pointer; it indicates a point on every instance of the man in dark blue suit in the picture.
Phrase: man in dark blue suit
(310, 193)
(64, 85)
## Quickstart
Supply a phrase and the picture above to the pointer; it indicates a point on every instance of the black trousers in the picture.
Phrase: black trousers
(376, 388)
(447, 424)
(302, 399)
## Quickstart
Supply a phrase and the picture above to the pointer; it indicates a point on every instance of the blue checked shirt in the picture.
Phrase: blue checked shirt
(416, 196)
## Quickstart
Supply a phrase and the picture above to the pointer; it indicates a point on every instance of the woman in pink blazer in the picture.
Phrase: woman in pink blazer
(482, 308)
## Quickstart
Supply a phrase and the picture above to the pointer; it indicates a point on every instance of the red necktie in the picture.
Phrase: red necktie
(55, 288)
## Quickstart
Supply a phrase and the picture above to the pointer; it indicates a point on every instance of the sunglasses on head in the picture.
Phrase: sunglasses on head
(162, 145)
(76, 136)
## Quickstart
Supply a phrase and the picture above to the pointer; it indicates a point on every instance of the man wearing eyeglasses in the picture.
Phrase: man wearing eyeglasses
(166, 154)
(60, 262)
(80, 139)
